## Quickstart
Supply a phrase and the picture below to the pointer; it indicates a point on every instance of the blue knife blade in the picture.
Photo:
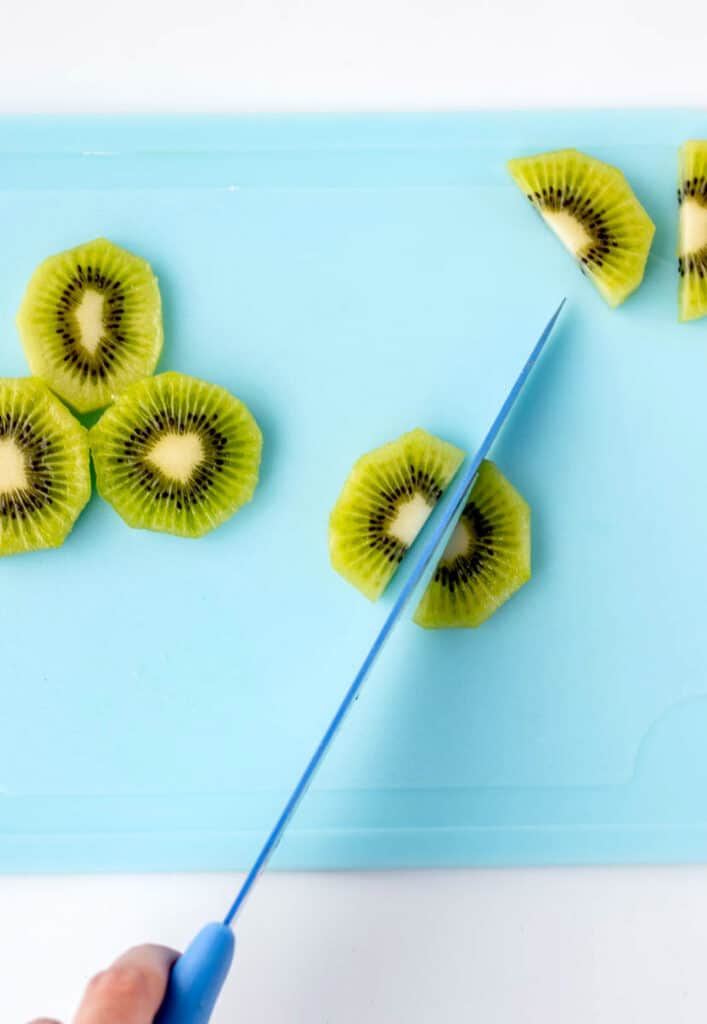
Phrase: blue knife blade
(199, 973)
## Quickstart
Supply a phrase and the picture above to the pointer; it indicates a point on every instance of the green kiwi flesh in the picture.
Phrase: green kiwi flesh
(91, 323)
(593, 211)
(176, 454)
(44, 467)
(385, 501)
(487, 558)
(692, 244)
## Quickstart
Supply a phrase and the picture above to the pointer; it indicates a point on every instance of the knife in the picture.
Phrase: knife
(198, 975)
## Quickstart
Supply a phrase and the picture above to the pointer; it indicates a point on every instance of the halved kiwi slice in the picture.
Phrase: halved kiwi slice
(44, 467)
(91, 323)
(385, 501)
(692, 243)
(487, 558)
(176, 454)
(591, 208)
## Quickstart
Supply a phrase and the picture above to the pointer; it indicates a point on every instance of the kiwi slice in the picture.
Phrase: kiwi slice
(692, 243)
(592, 210)
(176, 454)
(385, 501)
(44, 467)
(486, 560)
(91, 323)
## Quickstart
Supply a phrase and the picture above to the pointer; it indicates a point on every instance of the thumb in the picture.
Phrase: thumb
(129, 992)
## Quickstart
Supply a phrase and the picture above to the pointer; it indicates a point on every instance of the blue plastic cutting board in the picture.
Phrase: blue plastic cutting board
(351, 278)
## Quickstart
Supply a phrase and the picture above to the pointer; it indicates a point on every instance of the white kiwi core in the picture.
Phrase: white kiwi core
(410, 517)
(693, 226)
(460, 542)
(13, 467)
(89, 320)
(177, 456)
(571, 232)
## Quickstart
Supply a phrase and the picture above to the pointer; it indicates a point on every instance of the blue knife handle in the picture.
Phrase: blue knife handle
(197, 977)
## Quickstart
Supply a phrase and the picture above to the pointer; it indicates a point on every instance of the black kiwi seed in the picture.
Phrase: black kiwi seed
(693, 188)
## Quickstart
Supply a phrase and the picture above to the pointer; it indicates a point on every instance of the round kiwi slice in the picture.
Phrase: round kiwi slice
(176, 454)
(386, 499)
(44, 467)
(591, 208)
(91, 323)
(487, 558)
(692, 244)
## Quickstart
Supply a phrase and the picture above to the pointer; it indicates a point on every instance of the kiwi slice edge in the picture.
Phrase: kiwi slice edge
(592, 209)
(90, 322)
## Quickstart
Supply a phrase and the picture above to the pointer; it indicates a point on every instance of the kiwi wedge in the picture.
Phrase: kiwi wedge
(692, 236)
(591, 208)
(384, 504)
(45, 479)
(91, 323)
(176, 454)
(486, 560)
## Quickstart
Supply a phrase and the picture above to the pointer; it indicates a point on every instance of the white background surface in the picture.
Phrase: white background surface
(490, 947)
